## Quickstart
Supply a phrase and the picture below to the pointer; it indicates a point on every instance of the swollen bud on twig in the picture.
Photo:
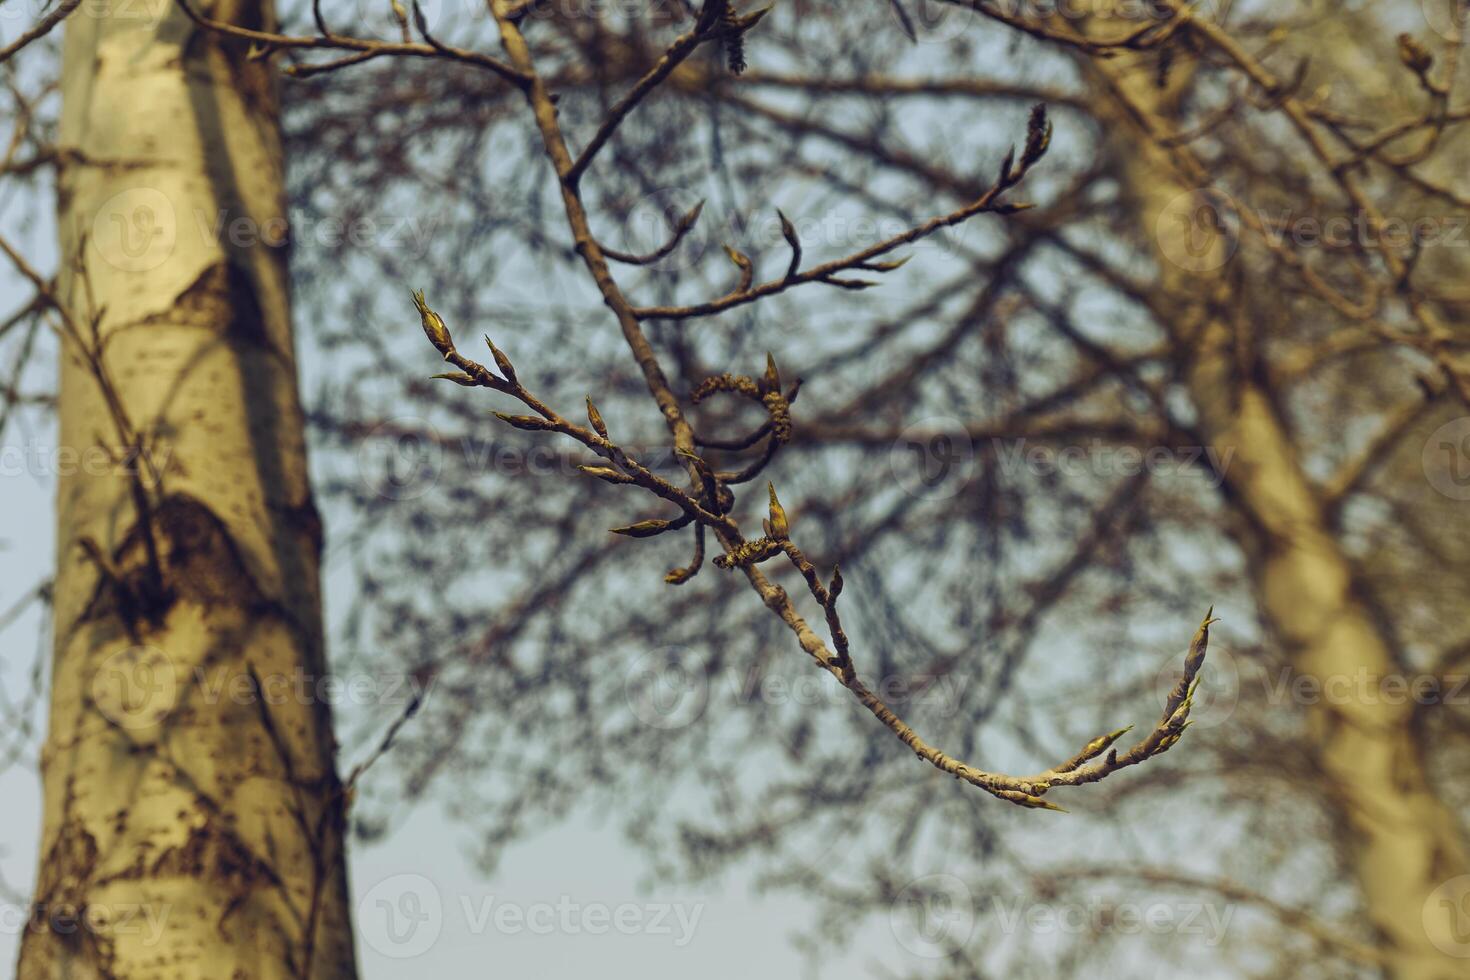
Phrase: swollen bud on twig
(689, 218)
(853, 284)
(1038, 136)
(746, 267)
(708, 484)
(595, 417)
(788, 230)
(1005, 165)
(886, 266)
(732, 31)
(458, 377)
(501, 361)
(434, 327)
(1027, 800)
(643, 529)
(772, 379)
(1414, 55)
(530, 423)
(1102, 743)
(605, 473)
(748, 553)
(780, 528)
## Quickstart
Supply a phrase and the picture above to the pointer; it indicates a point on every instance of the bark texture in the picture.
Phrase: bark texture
(193, 815)
(1402, 840)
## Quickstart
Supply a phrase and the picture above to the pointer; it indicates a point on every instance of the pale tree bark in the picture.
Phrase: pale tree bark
(1402, 841)
(193, 815)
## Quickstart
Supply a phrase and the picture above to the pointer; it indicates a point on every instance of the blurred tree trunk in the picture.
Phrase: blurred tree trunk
(193, 815)
(1402, 840)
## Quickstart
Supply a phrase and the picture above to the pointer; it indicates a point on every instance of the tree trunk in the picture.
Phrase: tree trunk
(193, 816)
(1402, 841)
